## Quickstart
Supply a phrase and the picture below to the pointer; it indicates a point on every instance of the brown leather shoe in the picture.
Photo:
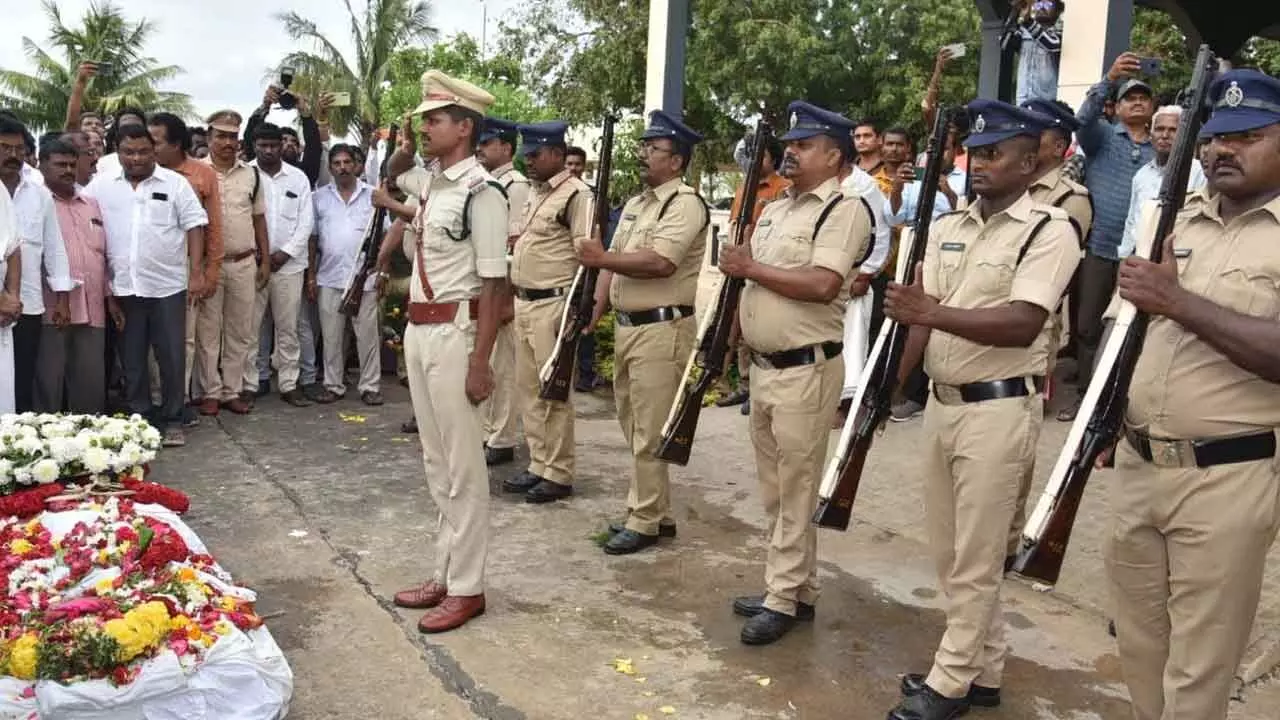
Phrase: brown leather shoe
(422, 597)
(238, 406)
(209, 406)
(452, 613)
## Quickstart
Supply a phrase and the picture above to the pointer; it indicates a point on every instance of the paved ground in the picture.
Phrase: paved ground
(327, 516)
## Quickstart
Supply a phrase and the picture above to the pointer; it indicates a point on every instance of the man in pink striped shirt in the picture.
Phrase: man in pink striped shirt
(72, 371)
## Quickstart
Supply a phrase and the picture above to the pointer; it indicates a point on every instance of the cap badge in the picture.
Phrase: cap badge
(795, 118)
(980, 124)
(1234, 95)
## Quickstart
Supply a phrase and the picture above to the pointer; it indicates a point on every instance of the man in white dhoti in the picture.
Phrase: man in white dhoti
(10, 296)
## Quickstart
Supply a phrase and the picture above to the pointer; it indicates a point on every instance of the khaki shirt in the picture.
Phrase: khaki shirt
(516, 186)
(784, 238)
(455, 265)
(412, 182)
(1183, 388)
(679, 236)
(546, 253)
(971, 263)
(1056, 190)
(239, 206)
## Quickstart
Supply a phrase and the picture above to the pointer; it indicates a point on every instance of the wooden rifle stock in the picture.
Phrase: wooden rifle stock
(879, 377)
(1101, 416)
(369, 247)
(557, 374)
(710, 357)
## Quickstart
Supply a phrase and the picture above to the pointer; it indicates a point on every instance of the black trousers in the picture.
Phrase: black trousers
(1097, 283)
(158, 325)
(26, 353)
(879, 284)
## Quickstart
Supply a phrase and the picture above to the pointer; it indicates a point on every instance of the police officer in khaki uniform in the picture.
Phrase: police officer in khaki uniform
(1196, 500)
(650, 278)
(979, 310)
(798, 269)
(496, 149)
(455, 300)
(556, 221)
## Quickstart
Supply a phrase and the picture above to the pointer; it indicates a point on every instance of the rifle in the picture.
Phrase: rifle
(557, 373)
(880, 374)
(710, 357)
(1097, 426)
(367, 256)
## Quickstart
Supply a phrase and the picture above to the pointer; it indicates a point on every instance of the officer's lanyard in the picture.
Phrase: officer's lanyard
(422, 238)
(533, 214)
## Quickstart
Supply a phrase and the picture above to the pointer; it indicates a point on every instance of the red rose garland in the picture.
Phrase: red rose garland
(30, 502)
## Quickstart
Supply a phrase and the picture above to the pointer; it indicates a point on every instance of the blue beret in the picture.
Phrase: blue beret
(1057, 115)
(808, 120)
(992, 121)
(1243, 100)
(536, 135)
(663, 124)
(496, 127)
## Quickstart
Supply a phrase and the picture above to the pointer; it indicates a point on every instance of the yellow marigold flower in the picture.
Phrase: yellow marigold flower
(222, 627)
(179, 622)
(20, 546)
(104, 586)
(227, 603)
(103, 557)
(22, 657)
(194, 634)
(186, 574)
(33, 526)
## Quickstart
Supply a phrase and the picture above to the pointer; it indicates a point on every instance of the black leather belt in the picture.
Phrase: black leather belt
(531, 294)
(1165, 452)
(647, 317)
(991, 390)
(797, 357)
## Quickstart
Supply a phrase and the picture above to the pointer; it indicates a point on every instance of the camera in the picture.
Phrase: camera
(287, 100)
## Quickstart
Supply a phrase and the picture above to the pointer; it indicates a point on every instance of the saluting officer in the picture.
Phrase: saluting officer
(456, 293)
(496, 149)
(1197, 498)
(650, 278)
(979, 311)
(556, 221)
(798, 267)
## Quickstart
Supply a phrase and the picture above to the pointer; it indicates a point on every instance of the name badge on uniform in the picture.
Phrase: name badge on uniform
(956, 246)
(765, 223)
(629, 216)
(291, 195)
(1182, 253)
(95, 221)
(159, 196)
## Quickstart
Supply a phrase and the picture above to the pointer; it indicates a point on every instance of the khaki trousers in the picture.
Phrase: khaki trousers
(791, 414)
(224, 330)
(333, 333)
(282, 297)
(449, 428)
(977, 457)
(499, 410)
(548, 426)
(648, 364)
(1185, 559)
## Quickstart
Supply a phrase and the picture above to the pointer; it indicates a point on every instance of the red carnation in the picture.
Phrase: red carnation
(155, 493)
(30, 502)
(165, 546)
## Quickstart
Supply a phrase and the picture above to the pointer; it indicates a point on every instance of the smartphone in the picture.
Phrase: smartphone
(341, 99)
(102, 66)
(1150, 67)
(956, 50)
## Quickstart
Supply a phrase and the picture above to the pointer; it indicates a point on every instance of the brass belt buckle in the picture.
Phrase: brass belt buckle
(1170, 453)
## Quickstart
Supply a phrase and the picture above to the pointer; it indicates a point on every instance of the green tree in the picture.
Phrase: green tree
(384, 28)
(104, 35)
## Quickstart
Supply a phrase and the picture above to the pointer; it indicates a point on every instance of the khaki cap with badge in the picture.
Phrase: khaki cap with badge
(440, 90)
(226, 121)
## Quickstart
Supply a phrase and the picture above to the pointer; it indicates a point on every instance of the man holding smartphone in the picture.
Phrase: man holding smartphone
(1040, 33)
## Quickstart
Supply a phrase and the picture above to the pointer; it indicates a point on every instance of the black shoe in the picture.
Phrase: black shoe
(1009, 561)
(1068, 414)
(410, 426)
(767, 626)
(629, 541)
(746, 407)
(752, 605)
(295, 398)
(190, 416)
(1111, 628)
(372, 398)
(521, 483)
(547, 491)
(927, 704)
(737, 397)
(665, 530)
(498, 456)
(979, 696)
(264, 388)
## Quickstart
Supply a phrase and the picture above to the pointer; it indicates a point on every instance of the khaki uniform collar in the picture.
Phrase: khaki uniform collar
(1020, 210)
(502, 171)
(1050, 180)
(666, 189)
(823, 191)
(454, 172)
(1212, 209)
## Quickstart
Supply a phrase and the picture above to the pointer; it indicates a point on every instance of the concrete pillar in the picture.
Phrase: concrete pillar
(1094, 32)
(664, 72)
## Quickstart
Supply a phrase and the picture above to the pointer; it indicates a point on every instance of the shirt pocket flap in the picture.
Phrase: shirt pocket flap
(1249, 291)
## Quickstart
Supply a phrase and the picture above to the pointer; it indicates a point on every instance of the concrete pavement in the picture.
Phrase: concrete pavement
(324, 511)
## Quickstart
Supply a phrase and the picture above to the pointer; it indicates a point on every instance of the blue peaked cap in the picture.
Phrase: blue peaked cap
(808, 120)
(663, 124)
(1057, 115)
(992, 121)
(535, 136)
(496, 127)
(1242, 100)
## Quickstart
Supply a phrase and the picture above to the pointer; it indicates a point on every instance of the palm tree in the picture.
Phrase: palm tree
(384, 27)
(106, 36)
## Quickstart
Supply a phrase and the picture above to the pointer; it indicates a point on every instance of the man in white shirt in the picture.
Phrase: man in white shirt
(10, 296)
(42, 249)
(155, 246)
(1147, 181)
(858, 330)
(343, 210)
(290, 221)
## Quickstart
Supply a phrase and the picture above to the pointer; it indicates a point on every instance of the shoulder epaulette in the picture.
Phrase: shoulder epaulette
(1052, 211)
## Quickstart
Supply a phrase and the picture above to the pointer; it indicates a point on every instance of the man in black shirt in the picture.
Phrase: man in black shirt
(305, 157)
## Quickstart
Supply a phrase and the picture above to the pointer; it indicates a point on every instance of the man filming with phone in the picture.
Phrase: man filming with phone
(309, 158)
(1040, 35)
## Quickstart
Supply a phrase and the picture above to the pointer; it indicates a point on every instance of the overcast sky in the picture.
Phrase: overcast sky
(227, 47)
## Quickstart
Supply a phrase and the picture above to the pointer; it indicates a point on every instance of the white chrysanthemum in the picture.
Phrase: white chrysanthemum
(23, 476)
(130, 453)
(46, 471)
(63, 449)
(96, 460)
